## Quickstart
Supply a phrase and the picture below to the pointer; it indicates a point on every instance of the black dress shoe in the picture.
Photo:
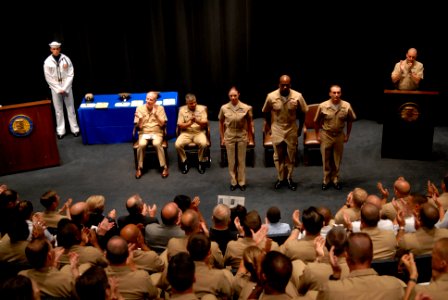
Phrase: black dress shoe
(233, 187)
(324, 186)
(337, 186)
(278, 184)
(292, 185)
(243, 187)
(185, 168)
(201, 168)
(60, 136)
(76, 134)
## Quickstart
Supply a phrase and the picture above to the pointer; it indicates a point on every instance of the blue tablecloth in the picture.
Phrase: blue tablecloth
(114, 124)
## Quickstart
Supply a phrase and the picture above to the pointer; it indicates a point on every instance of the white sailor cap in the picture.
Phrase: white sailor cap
(55, 44)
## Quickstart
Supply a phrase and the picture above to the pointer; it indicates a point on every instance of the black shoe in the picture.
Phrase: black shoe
(324, 186)
(243, 187)
(76, 134)
(278, 184)
(201, 168)
(60, 136)
(337, 186)
(292, 185)
(185, 168)
(233, 187)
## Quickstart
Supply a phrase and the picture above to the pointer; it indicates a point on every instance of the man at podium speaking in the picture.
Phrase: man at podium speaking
(408, 73)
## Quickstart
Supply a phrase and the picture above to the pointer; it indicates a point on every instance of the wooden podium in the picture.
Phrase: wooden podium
(408, 127)
(27, 137)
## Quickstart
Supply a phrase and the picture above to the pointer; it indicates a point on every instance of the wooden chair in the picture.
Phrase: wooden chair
(151, 159)
(250, 152)
(310, 143)
(191, 150)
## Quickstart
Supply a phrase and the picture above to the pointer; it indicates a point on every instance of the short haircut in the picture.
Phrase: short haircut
(198, 246)
(370, 214)
(37, 251)
(92, 284)
(221, 215)
(252, 221)
(181, 271)
(273, 214)
(95, 203)
(359, 248)
(183, 202)
(48, 198)
(312, 220)
(337, 237)
(277, 269)
(18, 287)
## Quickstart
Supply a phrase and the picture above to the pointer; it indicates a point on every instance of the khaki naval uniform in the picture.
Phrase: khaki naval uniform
(438, 289)
(133, 284)
(52, 282)
(363, 284)
(148, 261)
(237, 120)
(150, 125)
(406, 82)
(284, 128)
(316, 274)
(384, 242)
(212, 281)
(302, 249)
(422, 240)
(235, 249)
(179, 244)
(52, 218)
(193, 134)
(332, 135)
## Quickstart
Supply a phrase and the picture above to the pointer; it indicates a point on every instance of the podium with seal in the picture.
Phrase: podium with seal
(408, 127)
(28, 138)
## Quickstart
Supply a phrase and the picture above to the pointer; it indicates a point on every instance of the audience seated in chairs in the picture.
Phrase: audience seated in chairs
(193, 135)
(150, 120)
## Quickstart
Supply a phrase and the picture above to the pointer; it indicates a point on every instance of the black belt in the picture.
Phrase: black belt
(333, 133)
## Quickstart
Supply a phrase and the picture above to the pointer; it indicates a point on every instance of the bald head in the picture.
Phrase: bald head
(130, 233)
(402, 188)
(134, 204)
(429, 215)
(284, 85)
(190, 221)
(79, 212)
(170, 213)
(375, 200)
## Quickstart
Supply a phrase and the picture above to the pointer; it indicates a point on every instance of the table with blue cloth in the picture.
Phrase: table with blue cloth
(114, 123)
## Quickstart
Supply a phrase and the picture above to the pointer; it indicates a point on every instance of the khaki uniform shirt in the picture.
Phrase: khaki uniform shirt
(149, 123)
(235, 249)
(148, 261)
(301, 249)
(317, 273)
(284, 114)
(13, 252)
(185, 115)
(353, 213)
(52, 282)
(334, 120)
(236, 119)
(87, 254)
(438, 289)
(133, 284)
(179, 244)
(422, 240)
(52, 218)
(406, 82)
(384, 242)
(363, 284)
(212, 281)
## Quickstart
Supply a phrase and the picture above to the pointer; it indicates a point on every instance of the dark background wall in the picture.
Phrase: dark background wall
(205, 46)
